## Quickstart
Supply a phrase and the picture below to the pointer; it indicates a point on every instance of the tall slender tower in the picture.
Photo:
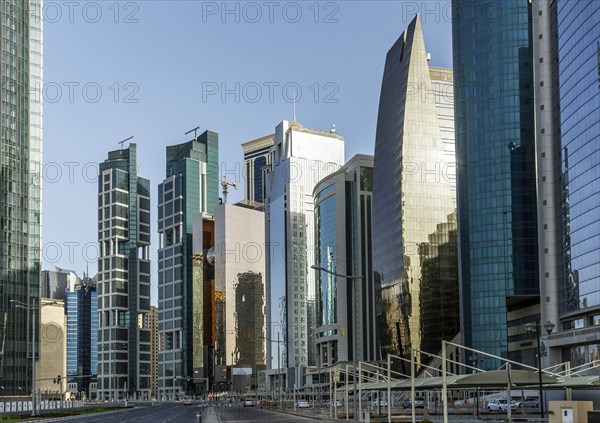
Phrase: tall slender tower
(190, 187)
(567, 86)
(412, 191)
(495, 150)
(21, 48)
(300, 158)
(124, 342)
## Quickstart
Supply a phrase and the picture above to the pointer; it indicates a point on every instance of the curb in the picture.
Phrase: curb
(76, 416)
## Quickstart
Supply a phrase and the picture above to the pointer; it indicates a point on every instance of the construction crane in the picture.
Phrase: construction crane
(225, 184)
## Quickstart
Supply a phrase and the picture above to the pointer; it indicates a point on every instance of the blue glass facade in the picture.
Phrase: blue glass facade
(81, 309)
(495, 150)
(327, 258)
(578, 52)
(72, 338)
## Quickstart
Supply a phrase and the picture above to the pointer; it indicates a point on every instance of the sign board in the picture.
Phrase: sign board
(241, 371)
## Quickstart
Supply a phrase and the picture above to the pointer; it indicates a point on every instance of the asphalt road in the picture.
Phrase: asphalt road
(143, 413)
(223, 413)
(180, 413)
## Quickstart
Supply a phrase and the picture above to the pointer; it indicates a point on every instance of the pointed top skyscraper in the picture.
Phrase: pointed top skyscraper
(412, 187)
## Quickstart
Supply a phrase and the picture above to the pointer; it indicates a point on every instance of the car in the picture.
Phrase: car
(531, 402)
(249, 403)
(501, 404)
(303, 403)
(187, 401)
(419, 402)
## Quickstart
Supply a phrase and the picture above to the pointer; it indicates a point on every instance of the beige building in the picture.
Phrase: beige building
(240, 276)
(52, 360)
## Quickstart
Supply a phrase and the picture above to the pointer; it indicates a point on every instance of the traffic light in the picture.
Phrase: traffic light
(189, 378)
(58, 379)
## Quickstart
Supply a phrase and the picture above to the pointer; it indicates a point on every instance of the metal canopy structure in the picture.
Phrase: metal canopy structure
(491, 379)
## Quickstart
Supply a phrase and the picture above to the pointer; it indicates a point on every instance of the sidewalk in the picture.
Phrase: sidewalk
(209, 415)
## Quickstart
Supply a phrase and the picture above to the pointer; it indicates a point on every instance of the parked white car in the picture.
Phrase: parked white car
(303, 403)
(501, 404)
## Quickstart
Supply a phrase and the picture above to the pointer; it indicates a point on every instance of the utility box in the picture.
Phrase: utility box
(570, 411)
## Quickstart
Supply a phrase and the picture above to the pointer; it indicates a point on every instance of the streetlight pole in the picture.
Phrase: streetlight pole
(355, 324)
(536, 329)
(32, 308)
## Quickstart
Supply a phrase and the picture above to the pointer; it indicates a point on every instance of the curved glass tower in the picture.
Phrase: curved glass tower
(345, 324)
(495, 152)
(412, 188)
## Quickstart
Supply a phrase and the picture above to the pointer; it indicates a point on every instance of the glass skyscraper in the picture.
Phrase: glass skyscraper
(123, 278)
(256, 163)
(81, 310)
(191, 186)
(413, 193)
(568, 108)
(343, 244)
(495, 151)
(21, 48)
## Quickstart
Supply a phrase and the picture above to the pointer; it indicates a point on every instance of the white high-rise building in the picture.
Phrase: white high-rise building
(300, 158)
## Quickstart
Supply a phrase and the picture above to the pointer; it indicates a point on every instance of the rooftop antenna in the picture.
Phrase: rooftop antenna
(295, 95)
(226, 184)
(125, 140)
(195, 130)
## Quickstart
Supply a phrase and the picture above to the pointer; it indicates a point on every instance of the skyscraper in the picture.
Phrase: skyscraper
(123, 278)
(21, 45)
(300, 158)
(567, 87)
(495, 150)
(345, 325)
(191, 187)
(256, 163)
(81, 310)
(412, 187)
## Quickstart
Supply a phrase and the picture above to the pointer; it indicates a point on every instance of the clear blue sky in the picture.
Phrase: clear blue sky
(158, 64)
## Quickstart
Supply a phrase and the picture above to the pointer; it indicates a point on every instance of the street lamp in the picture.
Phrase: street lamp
(31, 308)
(536, 330)
(475, 359)
(355, 324)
